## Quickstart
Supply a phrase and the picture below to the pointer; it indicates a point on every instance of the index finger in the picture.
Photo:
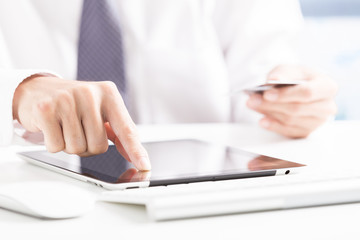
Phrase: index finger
(116, 114)
(309, 91)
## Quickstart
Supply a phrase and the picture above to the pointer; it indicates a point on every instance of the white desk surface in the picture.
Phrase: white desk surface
(334, 146)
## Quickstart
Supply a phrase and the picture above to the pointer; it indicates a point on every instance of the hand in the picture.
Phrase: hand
(78, 117)
(296, 111)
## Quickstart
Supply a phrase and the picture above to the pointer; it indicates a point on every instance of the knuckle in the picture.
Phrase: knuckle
(45, 108)
(138, 152)
(138, 155)
(307, 92)
(130, 132)
(109, 87)
(84, 89)
(63, 97)
(296, 109)
(87, 93)
(53, 148)
(75, 148)
(98, 148)
(64, 100)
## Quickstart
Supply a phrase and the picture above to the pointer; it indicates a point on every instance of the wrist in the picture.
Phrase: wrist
(19, 91)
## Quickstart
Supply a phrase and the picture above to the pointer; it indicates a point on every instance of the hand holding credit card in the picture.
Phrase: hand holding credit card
(293, 102)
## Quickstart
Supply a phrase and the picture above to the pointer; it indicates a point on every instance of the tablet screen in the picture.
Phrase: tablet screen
(179, 161)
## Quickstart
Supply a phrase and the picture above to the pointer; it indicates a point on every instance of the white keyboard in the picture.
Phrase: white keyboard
(242, 195)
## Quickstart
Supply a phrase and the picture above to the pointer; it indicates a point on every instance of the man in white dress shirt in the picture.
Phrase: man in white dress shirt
(181, 59)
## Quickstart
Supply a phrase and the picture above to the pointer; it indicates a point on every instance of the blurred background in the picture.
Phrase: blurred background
(331, 42)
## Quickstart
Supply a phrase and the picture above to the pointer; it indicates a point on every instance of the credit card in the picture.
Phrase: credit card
(267, 86)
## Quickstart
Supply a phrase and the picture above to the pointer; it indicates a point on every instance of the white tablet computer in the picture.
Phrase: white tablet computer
(173, 162)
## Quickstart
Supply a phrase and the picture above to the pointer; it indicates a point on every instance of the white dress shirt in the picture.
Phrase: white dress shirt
(182, 56)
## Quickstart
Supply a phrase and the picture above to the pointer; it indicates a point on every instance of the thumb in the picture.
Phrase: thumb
(289, 73)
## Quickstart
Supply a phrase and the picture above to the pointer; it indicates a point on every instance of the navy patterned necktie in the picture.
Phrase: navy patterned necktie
(100, 58)
(100, 53)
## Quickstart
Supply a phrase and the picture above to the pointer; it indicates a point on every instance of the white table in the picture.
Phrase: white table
(334, 146)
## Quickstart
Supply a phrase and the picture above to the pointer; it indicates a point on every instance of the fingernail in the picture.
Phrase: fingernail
(145, 163)
(255, 100)
(265, 123)
(271, 95)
